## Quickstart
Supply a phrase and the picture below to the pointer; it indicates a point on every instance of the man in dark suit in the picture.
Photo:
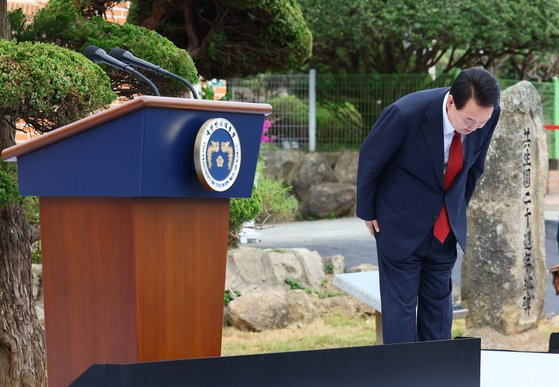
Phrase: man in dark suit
(418, 168)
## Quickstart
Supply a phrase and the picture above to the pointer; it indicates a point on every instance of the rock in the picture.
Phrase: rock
(311, 170)
(271, 309)
(328, 200)
(248, 269)
(313, 267)
(300, 307)
(278, 163)
(286, 264)
(303, 265)
(555, 323)
(40, 315)
(336, 263)
(251, 269)
(456, 293)
(256, 312)
(503, 271)
(37, 282)
(344, 305)
(332, 157)
(362, 267)
(346, 167)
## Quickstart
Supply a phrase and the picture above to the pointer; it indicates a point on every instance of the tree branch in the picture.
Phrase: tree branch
(158, 15)
(216, 25)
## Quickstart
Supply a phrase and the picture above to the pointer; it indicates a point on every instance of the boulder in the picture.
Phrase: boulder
(251, 269)
(278, 163)
(328, 200)
(332, 157)
(346, 167)
(311, 170)
(255, 312)
(302, 265)
(300, 307)
(336, 263)
(248, 269)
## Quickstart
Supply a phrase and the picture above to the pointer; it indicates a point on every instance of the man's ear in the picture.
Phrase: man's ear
(449, 102)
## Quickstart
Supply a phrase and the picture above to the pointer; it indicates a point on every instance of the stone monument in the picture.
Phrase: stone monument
(503, 272)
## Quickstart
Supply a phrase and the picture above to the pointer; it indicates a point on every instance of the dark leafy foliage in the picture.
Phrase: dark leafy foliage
(410, 36)
(230, 38)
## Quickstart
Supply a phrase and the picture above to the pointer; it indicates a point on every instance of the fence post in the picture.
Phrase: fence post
(554, 154)
(312, 110)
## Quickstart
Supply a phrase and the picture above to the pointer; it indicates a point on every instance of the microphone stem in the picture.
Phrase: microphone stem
(182, 80)
(145, 79)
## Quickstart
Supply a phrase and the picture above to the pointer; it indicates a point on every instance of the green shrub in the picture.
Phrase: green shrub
(36, 252)
(17, 19)
(337, 121)
(9, 191)
(61, 23)
(32, 215)
(291, 106)
(227, 298)
(241, 211)
(324, 117)
(49, 86)
(270, 202)
(31, 207)
(277, 203)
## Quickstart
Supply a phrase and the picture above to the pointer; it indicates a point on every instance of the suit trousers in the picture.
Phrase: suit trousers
(416, 292)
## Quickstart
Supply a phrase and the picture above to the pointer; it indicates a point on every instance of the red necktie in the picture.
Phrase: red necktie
(442, 225)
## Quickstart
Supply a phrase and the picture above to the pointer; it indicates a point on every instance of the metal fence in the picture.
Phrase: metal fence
(341, 107)
(289, 96)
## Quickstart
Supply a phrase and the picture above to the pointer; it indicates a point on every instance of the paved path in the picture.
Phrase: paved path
(350, 238)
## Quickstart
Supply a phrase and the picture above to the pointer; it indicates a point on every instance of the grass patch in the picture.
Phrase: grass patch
(458, 328)
(333, 331)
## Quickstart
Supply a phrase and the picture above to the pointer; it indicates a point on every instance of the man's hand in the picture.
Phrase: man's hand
(372, 226)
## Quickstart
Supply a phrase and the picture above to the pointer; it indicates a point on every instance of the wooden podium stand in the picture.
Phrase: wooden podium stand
(134, 246)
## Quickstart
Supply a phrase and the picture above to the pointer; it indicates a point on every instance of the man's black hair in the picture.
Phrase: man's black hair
(476, 83)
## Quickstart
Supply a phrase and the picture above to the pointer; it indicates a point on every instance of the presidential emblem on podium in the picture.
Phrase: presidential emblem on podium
(217, 154)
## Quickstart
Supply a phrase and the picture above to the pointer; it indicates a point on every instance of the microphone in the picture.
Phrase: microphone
(98, 55)
(128, 58)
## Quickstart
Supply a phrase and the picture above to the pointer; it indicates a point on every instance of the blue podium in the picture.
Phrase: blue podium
(134, 223)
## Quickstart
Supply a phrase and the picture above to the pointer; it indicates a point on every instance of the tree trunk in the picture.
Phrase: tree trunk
(22, 351)
(4, 24)
(22, 354)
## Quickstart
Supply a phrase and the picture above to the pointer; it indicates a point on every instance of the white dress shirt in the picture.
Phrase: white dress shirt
(448, 132)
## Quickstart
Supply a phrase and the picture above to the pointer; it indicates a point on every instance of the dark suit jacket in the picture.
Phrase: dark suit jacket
(400, 174)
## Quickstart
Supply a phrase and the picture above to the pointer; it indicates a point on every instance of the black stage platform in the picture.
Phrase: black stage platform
(429, 364)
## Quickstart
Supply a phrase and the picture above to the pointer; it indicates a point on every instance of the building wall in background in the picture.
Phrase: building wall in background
(118, 14)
